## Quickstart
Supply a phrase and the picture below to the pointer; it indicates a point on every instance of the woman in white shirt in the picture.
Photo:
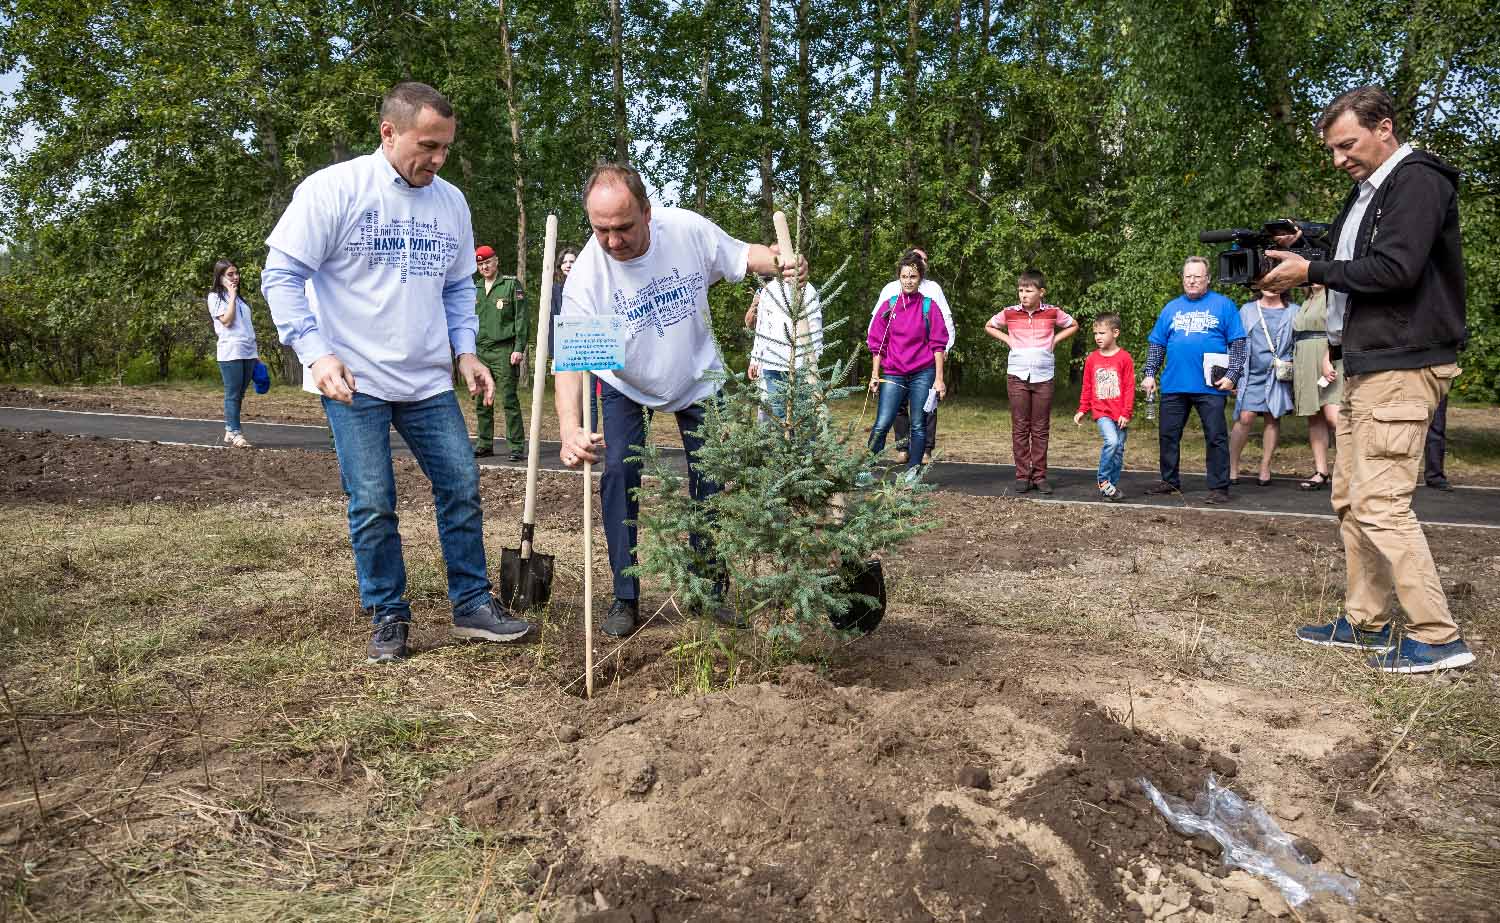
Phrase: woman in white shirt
(775, 336)
(237, 351)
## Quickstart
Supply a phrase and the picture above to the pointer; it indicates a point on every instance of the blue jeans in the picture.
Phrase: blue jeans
(435, 431)
(775, 392)
(1174, 415)
(625, 426)
(1112, 455)
(910, 387)
(236, 374)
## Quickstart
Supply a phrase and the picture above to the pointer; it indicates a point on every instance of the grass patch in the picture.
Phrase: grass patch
(407, 749)
(266, 866)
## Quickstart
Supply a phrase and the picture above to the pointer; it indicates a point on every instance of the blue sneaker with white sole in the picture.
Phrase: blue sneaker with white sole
(489, 621)
(1413, 656)
(1339, 633)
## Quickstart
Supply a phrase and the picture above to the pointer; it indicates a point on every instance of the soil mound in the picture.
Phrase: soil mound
(807, 800)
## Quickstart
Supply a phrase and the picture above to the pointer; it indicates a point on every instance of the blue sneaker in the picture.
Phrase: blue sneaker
(489, 621)
(1339, 633)
(1415, 657)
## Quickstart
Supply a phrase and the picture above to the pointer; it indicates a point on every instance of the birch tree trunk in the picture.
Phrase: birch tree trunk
(622, 130)
(507, 79)
(767, 175)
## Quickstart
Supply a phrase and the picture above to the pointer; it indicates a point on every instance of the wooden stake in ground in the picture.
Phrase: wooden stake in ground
(588, 556)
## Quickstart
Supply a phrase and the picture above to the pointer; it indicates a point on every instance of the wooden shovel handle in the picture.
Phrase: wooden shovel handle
(539, 378)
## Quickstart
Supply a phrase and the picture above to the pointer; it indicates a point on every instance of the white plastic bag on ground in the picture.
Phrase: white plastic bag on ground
(1251, 841)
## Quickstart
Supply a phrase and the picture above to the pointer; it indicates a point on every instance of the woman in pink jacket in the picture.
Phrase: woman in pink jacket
(907, 337)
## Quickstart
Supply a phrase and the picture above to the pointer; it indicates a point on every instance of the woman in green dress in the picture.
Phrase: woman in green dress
(1317, 383)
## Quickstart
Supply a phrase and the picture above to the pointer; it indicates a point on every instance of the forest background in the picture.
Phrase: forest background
(146, 138)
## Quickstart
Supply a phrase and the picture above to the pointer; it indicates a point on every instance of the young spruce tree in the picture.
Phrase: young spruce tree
(792, 523)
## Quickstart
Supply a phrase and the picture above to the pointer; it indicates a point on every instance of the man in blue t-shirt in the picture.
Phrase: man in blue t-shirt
(387, 249)
(1201, 340)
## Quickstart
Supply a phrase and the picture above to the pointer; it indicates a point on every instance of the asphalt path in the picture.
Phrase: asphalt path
(1474, 507)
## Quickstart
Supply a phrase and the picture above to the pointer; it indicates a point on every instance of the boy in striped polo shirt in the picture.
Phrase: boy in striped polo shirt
(1032, 330)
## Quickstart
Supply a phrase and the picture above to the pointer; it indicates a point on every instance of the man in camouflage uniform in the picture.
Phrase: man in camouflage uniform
(502, 340)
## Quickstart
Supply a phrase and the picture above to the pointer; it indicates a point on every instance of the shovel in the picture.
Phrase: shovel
(867, 579)
(525, 575)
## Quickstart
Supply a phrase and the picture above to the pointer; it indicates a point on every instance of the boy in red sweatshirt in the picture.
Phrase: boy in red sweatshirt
(1109, 397)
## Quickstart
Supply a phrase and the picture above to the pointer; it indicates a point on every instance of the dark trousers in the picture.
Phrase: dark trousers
(1174, 415)
(1437, 443)
(1030, 425)
(625, 426)
(902, 429)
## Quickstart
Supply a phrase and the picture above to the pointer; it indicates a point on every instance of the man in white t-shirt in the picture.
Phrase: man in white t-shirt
(653, 267)
(928, 289)
(387, 248)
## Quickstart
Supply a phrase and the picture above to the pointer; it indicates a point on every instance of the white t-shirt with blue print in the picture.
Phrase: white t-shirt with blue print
(663, 295)
(236, 341)
(1188, 328)
(381, 253)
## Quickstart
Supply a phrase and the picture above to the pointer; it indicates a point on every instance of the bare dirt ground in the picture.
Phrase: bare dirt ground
(970, 429)
(191, 733)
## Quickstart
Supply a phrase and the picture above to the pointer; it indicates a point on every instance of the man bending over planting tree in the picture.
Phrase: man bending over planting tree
(654, 267)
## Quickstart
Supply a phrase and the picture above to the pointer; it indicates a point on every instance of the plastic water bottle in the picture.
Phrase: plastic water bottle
(1151, 405)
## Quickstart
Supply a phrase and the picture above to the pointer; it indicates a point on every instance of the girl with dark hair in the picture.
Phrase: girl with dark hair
(237, 351)
(907, 337)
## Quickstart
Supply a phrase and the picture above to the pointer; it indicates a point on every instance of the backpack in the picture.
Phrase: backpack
(926, 315)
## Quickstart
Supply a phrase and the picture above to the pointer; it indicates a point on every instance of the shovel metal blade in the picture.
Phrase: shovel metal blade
(524, 582)
(867, 579)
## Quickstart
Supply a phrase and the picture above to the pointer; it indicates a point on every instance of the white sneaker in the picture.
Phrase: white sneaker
(237, 440)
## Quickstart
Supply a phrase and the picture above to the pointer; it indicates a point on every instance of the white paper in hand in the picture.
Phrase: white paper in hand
(932, 401)
(1212, 361)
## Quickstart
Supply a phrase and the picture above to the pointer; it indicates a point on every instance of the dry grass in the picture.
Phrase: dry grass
(215, 649)
(235, 759)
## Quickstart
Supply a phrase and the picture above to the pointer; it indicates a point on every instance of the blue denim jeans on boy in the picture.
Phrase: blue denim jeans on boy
(236, 374)
(625, 426)
(895, 390)
(1112, 454)
(435, 432)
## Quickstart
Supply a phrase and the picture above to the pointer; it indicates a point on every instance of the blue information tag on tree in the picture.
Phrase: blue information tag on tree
(592, 343)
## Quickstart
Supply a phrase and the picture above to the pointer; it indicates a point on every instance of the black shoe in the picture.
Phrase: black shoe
(1217, 496)
(1043, 487)
(516, 455)
(489, 622)
(620, 620)
(484, 452)
(388, 642)
(1262, 482)
(1023, 486)
(1440, 484)
(1163, 488)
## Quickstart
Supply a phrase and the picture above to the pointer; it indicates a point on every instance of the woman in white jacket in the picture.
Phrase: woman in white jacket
(776, 332)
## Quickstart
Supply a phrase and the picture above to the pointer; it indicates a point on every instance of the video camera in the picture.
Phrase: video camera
(1245, 261)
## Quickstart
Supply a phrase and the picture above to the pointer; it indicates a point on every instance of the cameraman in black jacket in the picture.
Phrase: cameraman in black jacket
(1396, 311)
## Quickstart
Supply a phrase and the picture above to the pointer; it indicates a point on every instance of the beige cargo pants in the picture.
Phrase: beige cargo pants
(1381, 433)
